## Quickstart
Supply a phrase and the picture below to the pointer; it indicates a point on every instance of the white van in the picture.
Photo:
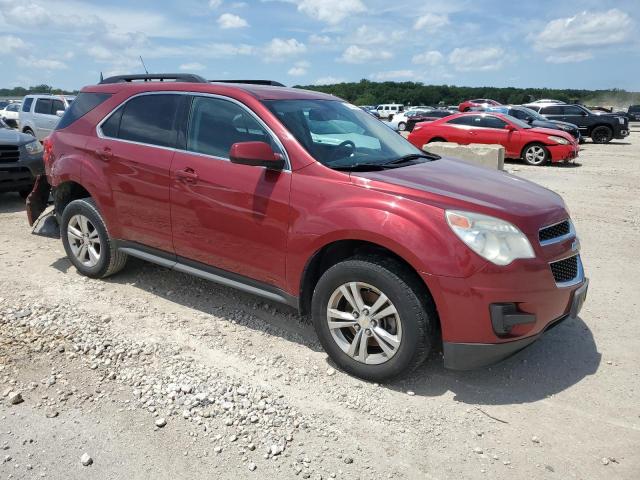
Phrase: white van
(388, 110)
(40, 114)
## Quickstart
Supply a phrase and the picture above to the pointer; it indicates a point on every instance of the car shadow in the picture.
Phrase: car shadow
(559, 359)
(516, 162)
(562, 357)
(11, 203)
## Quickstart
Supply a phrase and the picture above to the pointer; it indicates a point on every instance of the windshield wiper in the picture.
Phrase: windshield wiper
(361, 167)
(413, 156)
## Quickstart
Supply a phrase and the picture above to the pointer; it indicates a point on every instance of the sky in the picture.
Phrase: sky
(592, 44)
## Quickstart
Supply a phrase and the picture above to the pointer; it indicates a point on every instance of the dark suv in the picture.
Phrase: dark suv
(634, 113)
(302, 198)
(20, 160)
(601, 127)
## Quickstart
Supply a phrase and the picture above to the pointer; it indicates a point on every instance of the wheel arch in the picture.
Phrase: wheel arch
(66, 192)
(334, 252)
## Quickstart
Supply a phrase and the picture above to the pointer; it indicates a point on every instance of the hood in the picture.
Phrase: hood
(553, 131)
(14, 137)
(554, 124)
(450, 183)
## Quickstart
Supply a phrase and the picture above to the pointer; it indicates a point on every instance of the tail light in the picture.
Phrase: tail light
(47, 156)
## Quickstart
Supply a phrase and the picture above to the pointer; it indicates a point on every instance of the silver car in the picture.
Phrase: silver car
(40, 114)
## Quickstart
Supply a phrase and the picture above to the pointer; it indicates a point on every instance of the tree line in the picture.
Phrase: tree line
(366, 92)
(42, 88)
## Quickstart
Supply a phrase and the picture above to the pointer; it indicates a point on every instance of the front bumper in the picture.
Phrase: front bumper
(468, 356)
(20, 175)
(624, 133)
(560, 153)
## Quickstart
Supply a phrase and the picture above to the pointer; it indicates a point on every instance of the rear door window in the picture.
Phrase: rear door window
(572, 110)
(151, 119)
(472, 120)
(56, 105)
(553, 110)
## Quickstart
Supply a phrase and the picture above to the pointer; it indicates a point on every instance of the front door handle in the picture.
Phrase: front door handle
(187, 175)
(105, 154)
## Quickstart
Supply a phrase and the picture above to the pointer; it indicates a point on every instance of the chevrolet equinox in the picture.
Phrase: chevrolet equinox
(303, 198)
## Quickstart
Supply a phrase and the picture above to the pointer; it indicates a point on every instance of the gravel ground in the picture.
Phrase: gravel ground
(154, 374)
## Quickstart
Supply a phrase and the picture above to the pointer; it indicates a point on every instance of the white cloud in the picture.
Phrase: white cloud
(229, 20)
(11, 44)
(394, 75)
(213, 4)
(299, 69)
(192, 67)
(571, 57)
(477, 59)
(319, 39)
(431, 21)
(41, 63)
(356, 54)
(328, 80)
(279, 49)
(365, 35)
(585, 30)
(330, 11)
(431, 58)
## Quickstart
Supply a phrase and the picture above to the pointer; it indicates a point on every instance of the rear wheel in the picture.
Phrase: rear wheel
(86, 240)
(402, 126)
(28, 131)
(601, 134)
(371, 319)
(536, 154)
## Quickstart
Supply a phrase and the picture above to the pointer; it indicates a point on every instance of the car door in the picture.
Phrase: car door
(134, 150)
(576, 115)
(462, 130)
(553, 112)
(42, 120)
(494, 131)
(229, 216)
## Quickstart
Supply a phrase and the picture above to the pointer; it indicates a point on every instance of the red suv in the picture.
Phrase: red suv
(302, 198)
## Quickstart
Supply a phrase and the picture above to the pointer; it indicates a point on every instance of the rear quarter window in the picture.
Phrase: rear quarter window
(83, 104)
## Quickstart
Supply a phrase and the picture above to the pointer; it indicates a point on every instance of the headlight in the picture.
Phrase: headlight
(621, 120)
(560, 140)
(34, 147)
(498, 241)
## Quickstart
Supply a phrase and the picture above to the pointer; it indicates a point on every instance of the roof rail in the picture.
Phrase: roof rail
(158, 77)
(272, 83)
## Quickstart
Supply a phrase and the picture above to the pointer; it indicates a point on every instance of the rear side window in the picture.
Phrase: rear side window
(150, 119)
(555, 110)
(572, 110)
(634, 108)
(467, 120)
(83, 104)
(492, 122)
(26, 106)
(43, 105)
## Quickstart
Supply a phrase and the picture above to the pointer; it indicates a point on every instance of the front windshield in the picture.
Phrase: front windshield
(338, 134)
(534, 114)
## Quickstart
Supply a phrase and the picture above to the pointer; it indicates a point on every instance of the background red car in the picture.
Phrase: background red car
(536, 146)
(477, 103)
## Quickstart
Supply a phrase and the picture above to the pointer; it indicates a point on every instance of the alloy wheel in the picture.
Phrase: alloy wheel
(84, 240)
(535, 155)
(364, 323)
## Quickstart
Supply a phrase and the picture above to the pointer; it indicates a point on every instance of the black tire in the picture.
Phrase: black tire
(601, 134)
(535, 154)
(415, 309)
(28, 131)
(402, 126)
(110, 260)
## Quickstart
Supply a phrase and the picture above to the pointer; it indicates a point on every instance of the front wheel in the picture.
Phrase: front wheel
(372, 318)
(536, 154)
(86, 241)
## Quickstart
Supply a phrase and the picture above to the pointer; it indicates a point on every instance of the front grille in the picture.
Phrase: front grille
(565, 270)
(554, 231)
(9, 153)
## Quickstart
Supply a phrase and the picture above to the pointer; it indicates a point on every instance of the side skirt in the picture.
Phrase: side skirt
(206, 272)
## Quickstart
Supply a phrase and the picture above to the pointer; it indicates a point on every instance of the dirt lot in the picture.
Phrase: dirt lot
(246, 392)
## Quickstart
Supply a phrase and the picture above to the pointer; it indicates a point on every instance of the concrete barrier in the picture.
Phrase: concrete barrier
(490, 156)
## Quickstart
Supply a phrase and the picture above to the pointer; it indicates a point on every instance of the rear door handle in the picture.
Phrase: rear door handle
(105, 154)
(187, 175)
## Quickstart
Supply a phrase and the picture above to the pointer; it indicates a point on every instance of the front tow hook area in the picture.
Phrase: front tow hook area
(37, 202)
(505, 316)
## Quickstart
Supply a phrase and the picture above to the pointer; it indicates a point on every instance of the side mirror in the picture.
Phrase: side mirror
(509, 128)
(59, 113)
(529, 119)
(256, 154)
